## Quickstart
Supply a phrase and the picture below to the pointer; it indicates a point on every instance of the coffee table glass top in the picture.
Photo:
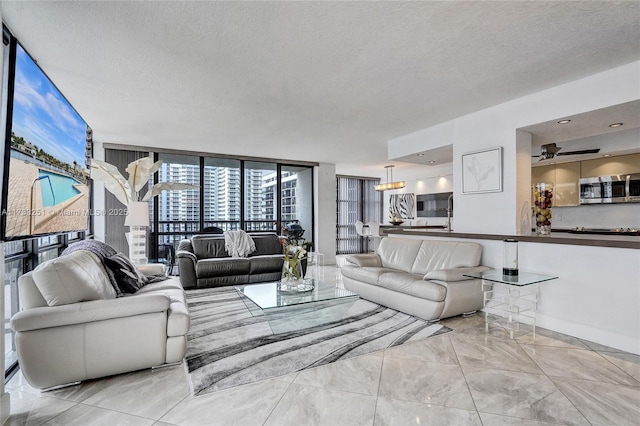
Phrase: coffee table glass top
(266, 295)
(522, 279)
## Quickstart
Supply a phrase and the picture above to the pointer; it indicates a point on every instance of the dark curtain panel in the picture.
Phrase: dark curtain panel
(357, 200)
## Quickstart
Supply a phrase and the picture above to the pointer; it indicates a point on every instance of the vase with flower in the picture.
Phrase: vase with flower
(292, 280)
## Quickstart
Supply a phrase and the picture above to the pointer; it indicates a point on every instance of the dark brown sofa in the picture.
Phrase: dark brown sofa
(204, 262)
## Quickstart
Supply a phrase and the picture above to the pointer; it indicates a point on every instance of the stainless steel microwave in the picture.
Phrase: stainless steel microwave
(610, 189)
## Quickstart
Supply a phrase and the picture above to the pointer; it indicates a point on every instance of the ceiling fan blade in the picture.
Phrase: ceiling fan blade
(583, 151)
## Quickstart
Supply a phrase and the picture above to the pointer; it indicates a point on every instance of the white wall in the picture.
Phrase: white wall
(501, 212)
(420, 179)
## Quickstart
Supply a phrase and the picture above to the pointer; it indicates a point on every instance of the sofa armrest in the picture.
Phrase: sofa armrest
(184, 254)
(454, 274)
(187, 262)
(367, 259)
(85, 312)
(151, 269)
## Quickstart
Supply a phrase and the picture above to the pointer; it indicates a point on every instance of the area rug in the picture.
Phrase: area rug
(227, 346)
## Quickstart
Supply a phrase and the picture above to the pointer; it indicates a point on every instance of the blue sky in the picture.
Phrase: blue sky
(43, 117)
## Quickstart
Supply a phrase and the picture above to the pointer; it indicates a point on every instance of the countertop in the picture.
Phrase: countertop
(556, 237)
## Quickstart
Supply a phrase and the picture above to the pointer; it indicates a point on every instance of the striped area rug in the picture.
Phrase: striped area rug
(227, 346)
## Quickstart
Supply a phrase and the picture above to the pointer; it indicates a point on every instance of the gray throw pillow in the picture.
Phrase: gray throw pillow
(128, 278)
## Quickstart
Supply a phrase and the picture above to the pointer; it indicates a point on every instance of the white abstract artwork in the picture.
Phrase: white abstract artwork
(482, 171)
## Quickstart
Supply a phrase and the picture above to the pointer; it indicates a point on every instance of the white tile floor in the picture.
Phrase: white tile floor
(459, 378)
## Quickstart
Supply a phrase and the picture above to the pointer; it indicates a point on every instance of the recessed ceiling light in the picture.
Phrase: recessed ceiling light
(564, 121)
(421, 155)
(432, 162)
(607, 155)
(615, 125)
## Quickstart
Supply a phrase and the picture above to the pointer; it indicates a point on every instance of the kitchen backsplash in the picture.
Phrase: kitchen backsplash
(597, 216)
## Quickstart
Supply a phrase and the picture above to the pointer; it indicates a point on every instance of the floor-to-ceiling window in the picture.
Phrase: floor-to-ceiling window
(22, 256)
(231, 194)
(296, 199)
(260, 196)
(222, 193)
(357, 200)
(178, 212)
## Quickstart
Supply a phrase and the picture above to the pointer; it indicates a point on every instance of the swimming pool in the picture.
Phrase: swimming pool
(62, 188)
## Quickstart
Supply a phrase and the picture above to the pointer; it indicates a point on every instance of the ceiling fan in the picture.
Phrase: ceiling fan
(550, 150)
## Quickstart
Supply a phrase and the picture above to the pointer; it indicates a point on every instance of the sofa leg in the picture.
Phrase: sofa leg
(468, 314)
(66, 385)
(171, 364)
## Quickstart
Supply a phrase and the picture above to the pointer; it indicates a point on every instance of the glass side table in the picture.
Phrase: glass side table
(515, 296)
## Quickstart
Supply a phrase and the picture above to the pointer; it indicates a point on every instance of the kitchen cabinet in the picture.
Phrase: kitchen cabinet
(567, 191)
(618, 165)
(564, 178)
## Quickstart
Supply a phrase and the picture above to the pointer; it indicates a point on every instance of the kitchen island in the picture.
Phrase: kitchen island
(556, 237)
(597, 294)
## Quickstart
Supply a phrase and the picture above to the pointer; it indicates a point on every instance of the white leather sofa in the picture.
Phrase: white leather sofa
(73, 328)
(423, 278)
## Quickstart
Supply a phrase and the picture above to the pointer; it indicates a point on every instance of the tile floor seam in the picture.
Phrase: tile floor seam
(175, 405)
(579, 378)
(117, 411)
(465, 377)
(375, 407)
(554, 384)
(57, 415)
(532, 360)
(49, 419)
(570, 401)
(618, 368)
(278, 402)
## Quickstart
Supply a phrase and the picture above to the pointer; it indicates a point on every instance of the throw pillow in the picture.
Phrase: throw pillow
(128, 278)
(73, 278)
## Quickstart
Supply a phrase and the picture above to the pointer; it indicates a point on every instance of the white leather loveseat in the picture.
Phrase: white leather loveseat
(72, 327)
(423, 278)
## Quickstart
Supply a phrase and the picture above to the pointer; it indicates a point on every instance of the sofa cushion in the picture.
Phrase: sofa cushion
(208, 246)
(398, 253)
(413, 285)
(266, 244)
(266, 263)
(434, 255)
(76, 277)
(366, 274)
(206, 268)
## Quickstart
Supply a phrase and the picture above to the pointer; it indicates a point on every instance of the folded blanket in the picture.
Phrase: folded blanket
(238, 243)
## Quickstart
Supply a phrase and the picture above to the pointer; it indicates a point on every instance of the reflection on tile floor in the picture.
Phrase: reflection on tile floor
(465, 377)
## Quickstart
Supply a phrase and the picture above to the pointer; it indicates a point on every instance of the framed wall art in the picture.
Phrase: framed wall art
(482, 171)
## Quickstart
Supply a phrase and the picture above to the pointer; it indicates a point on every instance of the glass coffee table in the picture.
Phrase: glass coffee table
(326, 303)
(516, 297)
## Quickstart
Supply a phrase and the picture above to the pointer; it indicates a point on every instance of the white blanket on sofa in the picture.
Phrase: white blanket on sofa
(238, 243)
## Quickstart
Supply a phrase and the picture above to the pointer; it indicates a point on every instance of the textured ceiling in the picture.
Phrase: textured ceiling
(316, 81)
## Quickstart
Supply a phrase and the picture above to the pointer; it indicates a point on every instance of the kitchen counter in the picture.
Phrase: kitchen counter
(556, 237)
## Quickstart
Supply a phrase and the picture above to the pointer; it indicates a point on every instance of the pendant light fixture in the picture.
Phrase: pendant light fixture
(390, 183)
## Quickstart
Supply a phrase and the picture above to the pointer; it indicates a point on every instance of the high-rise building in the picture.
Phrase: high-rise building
(222, 198)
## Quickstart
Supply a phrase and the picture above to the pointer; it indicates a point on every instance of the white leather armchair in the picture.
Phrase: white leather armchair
(72, 327)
